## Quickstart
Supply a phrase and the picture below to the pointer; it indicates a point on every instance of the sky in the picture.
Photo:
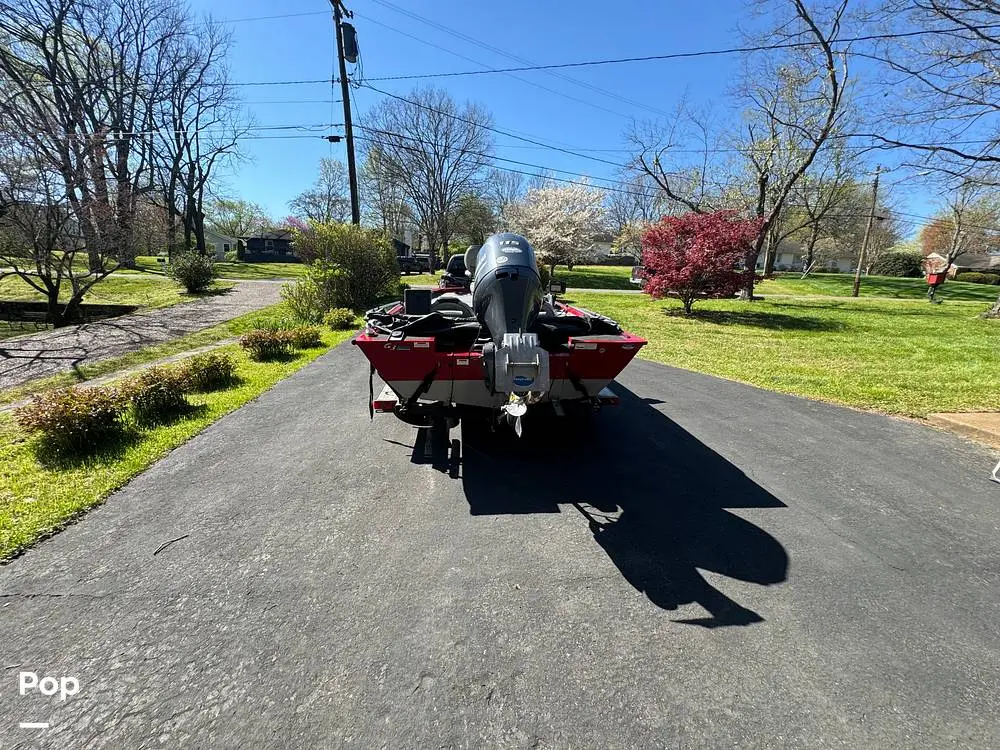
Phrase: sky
(592, 111)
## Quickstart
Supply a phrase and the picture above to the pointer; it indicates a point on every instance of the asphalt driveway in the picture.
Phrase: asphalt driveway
(707, 565)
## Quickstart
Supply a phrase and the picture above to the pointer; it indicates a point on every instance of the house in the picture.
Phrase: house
(274, 246)
(219, 244)
(790, 256)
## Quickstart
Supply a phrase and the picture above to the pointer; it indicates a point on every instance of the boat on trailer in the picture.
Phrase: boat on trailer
(502, 348)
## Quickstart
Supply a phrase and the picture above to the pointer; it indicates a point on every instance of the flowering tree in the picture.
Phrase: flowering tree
(697, 255)
(559, 222)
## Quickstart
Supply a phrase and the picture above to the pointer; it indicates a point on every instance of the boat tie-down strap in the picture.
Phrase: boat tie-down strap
(576, 383)
(371, 392)
(424, 386)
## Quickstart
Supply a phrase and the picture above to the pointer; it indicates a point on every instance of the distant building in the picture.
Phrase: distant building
(269, 247)
(219, 244)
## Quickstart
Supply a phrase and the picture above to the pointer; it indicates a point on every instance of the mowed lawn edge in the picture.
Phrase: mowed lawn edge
(889, 356)
(38, 500)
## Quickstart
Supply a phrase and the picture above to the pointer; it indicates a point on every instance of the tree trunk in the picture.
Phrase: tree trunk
(687, 302)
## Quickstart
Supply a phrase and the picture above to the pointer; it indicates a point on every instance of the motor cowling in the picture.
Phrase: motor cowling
(507, 290)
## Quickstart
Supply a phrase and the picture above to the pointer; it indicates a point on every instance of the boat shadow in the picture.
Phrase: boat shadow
(653, 496)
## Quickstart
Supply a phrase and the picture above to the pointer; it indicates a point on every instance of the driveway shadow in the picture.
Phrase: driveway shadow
(652, 495)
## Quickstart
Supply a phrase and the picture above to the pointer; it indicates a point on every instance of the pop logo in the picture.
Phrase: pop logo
(64, 686)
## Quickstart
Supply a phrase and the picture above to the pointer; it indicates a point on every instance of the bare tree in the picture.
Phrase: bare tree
(40, 237)
(796, 103)
(202, 124)
(383, 200)
(501, 189)
(947, 104)
(436, 152)
(329, 199)
(971, 220)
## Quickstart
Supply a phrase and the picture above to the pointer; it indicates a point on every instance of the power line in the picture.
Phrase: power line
(282, 15)
(478, 43)
(683, 55)
(492, 129)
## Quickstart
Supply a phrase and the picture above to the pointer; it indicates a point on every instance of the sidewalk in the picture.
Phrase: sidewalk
(982, 426)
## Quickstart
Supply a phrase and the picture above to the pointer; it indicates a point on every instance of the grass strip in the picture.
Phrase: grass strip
(38, 499)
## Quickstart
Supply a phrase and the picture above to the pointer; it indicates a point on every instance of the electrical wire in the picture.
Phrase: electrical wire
(684, 55)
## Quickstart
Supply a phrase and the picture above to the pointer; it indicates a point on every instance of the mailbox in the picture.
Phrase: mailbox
(935, 279)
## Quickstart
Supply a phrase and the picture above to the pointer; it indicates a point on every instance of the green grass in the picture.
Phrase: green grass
(204, 337)
(893, 356)
(144, 290)
(840, 284)
(38, 499)
(231, 270)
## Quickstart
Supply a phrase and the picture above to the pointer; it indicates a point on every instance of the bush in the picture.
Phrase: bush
(616, 260)
(311, 296)
(208, 372)
(156, 394)
(194, 272)
(231, 256)
(264, 344)
(900, 264)
(305, 337)
(974, 277)
(73, 420)
(365, 259)
(339, 319)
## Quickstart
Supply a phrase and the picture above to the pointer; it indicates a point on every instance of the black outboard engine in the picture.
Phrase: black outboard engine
(507, 291)
(506, 296)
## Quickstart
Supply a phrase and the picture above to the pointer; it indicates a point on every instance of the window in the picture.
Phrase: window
(225, 247)
(269, 246)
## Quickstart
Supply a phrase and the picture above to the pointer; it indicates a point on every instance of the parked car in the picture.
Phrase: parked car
(425, 262)
(408, 264)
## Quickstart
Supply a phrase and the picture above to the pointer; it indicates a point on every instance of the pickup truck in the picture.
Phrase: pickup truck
(409, 264)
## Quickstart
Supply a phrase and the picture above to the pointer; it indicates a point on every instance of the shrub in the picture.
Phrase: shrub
(73, 420)
(156, 394)
(339, 319)
(315, 293)
(193, 271)
(974, 277)
(899, 264)
(208, 372)
(231, 256)
(263, 344)
(697, 255)
(305, 337)
(365, 259)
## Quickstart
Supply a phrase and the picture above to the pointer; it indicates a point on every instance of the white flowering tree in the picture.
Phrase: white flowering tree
(559, 222)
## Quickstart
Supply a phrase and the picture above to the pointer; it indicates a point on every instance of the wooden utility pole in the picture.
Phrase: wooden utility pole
(868, 232)
(345, 91)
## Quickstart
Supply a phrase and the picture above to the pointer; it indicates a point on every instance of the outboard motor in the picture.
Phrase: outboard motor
(506, 296)
(507, 291)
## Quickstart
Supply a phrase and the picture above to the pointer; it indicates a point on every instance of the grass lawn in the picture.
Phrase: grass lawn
(143, 290)
(581, 277)
(840, 284)
(900, 357)
(204, 337)
(37, 499)
(230, 270)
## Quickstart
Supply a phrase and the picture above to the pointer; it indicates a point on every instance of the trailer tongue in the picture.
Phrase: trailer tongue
(504, 347)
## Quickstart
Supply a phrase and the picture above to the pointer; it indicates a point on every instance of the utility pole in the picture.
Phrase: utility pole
(868, 231)
(352, 172)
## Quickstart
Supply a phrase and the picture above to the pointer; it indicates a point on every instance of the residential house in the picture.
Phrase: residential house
(791, 257)
(269, 247)
(219, 244)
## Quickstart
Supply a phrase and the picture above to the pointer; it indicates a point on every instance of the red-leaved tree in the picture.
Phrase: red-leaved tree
(698, 255)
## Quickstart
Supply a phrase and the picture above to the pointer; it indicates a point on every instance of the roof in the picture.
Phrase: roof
(276, 234)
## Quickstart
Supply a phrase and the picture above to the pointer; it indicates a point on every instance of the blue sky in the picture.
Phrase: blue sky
(562, 113)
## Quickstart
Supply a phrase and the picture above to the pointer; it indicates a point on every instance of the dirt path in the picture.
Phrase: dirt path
(60, 350)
